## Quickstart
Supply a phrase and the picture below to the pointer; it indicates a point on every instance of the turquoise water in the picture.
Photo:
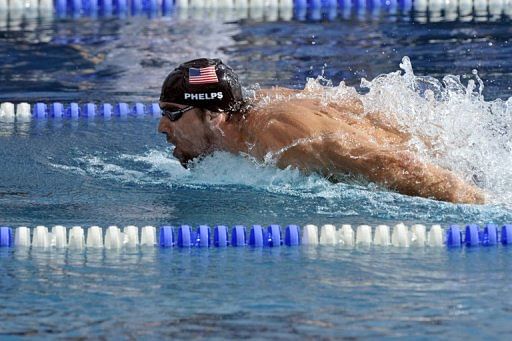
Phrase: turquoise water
(323, 292)
(120, 171)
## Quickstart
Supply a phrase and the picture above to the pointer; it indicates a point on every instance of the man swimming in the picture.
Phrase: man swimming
(203, 111)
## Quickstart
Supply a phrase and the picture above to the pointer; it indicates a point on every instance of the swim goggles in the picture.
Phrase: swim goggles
(175, 115)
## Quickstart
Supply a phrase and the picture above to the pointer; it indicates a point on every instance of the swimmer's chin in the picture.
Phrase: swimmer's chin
(186, 160)
(181, 157)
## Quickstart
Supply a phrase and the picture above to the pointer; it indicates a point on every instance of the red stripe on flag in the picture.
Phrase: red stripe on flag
(206, 75)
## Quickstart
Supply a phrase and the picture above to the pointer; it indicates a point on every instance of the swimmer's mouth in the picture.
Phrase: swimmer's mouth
(182, 157)
(185, 158)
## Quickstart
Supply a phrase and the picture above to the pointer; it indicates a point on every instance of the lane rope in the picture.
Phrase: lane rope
(14, 12)
(9, 110)
(93, 8)
(184, 236)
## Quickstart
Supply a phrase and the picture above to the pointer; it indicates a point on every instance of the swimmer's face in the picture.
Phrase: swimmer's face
(190, 134)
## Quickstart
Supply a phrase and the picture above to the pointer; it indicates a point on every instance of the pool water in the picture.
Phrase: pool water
(275, 293)
(120, 171)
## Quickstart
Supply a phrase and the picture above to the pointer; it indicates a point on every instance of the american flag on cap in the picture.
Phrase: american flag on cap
(204, 75)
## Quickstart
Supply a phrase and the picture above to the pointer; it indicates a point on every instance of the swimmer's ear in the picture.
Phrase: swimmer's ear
(214, 119)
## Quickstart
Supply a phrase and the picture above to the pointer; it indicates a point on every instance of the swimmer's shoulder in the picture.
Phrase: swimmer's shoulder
(279, 102)
(285, 97)
(284, 120)
(276, 92)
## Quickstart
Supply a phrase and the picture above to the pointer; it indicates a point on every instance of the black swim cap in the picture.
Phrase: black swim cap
(203, 83)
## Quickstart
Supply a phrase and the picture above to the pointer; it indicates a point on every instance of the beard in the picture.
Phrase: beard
(183, 157)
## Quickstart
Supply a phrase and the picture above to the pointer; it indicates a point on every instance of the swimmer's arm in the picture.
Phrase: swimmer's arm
(404, 172)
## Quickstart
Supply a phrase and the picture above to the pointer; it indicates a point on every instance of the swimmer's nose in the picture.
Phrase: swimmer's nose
(162, 127)
(166, 136)
(169, 138)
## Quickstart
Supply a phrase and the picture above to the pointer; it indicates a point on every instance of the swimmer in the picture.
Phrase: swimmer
(203, 111)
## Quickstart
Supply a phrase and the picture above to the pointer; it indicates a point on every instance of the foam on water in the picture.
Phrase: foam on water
(159, 167)
(224, 171)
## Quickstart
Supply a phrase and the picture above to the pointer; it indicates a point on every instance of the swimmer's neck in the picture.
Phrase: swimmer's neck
(231, 136)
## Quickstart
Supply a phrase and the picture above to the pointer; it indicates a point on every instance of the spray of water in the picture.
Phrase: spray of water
(463, 131)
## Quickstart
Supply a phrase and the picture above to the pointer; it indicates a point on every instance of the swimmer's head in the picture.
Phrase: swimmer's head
(197, 97)
(203, 83)
(194, 134)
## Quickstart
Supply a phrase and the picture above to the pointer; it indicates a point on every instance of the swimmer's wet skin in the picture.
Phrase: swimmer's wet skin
(204, 111)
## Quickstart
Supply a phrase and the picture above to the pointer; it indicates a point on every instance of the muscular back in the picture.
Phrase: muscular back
(336, 139)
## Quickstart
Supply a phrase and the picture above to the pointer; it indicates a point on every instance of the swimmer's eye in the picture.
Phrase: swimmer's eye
(174, 115)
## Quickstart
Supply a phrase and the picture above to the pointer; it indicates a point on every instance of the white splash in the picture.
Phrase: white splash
(466, 133)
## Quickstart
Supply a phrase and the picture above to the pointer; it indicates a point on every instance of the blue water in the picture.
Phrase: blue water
(237, 293)
(120, 171)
